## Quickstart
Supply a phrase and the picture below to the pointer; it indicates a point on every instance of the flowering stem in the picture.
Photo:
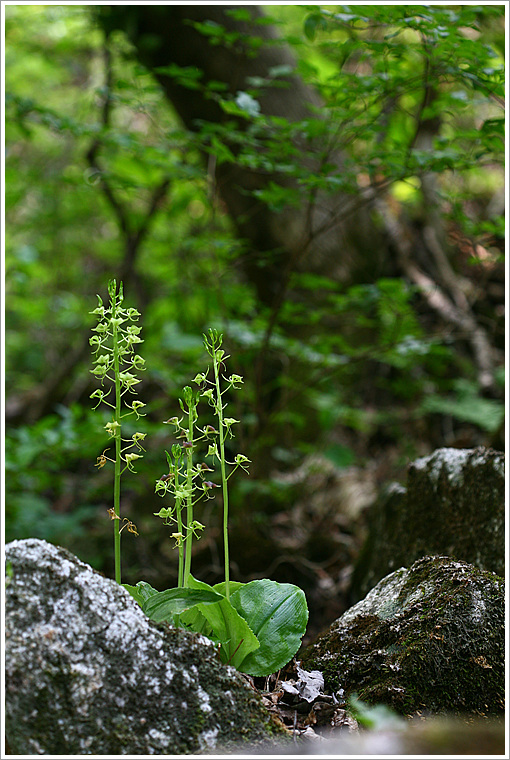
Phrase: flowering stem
(116, 482)
(189, 484)
(180, 544)
(219, 412)
(119, 355)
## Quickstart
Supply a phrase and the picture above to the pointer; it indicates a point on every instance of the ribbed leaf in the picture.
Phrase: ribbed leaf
(141, 592)
(228, 627)
(277, 614)
(165, 604)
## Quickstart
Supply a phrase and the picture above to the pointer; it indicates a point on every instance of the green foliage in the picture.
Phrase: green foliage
(43, 469)
(386, 74)
(401, 70)
(277, 614)
(259, 629)
(467, 406)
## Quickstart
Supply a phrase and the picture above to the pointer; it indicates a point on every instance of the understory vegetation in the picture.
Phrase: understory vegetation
(361, 355)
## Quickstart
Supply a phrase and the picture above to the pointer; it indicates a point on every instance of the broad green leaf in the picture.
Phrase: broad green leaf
(195, 621)
(165, 604)
(141, 592)
(233, 586)
(277, 614)
(236, 637)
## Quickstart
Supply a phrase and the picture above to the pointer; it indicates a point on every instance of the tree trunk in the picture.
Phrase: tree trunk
(334, 236)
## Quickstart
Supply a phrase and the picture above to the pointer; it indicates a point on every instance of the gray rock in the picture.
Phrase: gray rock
(454, 504)
(428, 638)
(88, 673)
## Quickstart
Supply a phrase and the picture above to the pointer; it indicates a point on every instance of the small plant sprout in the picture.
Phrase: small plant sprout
(116, 364)
(213, 341)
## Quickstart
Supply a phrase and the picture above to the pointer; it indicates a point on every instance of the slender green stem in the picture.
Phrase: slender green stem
(118, 443)
(219, 412)
(180, 544)
(189, 511)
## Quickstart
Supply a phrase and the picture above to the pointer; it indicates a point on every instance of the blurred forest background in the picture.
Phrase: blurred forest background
(324, 185)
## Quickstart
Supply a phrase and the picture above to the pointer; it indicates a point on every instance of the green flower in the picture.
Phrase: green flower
(127, 379)
(112, 427)
(164, 512)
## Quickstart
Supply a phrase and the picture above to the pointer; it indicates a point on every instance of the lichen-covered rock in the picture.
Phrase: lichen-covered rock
(88, 673)
(427, 638)
(454, 504)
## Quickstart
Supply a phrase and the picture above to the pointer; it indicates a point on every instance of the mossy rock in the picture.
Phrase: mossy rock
(428, 638)
(453, 504)
(86, 672)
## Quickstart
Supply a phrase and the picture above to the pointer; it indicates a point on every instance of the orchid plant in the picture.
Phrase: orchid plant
(116, 364)
(258, 625)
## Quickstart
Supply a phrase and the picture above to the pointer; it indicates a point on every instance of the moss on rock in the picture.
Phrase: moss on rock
(430, 638)
(453, 504)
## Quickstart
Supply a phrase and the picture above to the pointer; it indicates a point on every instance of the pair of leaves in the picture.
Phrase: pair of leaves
(259, 628)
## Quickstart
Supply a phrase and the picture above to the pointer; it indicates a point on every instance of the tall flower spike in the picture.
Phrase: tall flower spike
(116, 364)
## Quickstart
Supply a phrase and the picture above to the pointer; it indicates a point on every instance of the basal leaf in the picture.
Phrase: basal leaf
(165, 604)
(233, 586)
(277, 614)
(228, 627)
(141, 592)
